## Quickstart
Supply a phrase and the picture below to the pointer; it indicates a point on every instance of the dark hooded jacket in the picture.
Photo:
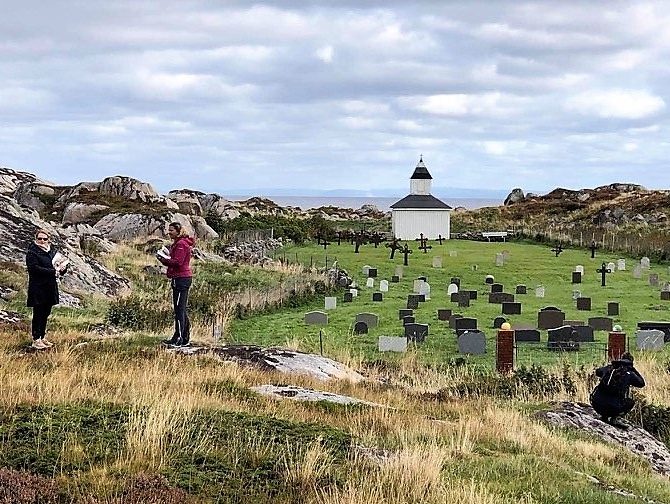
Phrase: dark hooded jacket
(42, 285)
(612, 392)
(179, 263)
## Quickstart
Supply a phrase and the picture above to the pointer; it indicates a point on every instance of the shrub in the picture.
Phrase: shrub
(19, 487)
(137, 314)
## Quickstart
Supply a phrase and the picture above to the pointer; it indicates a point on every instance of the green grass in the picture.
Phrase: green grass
(528, 264)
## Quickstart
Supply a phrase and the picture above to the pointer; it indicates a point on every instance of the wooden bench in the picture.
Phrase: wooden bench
(661, 326)
(495, 235)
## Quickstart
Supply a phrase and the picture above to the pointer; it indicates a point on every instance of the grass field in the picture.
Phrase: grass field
(528, 264)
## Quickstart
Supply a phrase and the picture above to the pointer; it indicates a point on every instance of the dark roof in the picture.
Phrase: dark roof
(420, 201)
(421, 172)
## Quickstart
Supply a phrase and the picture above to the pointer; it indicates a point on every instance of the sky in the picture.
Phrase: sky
(224, 96)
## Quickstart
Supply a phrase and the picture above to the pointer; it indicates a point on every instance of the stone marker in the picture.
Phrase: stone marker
(576, 294)
(463, 299)
(392, 344)
(465, 324)
(611, 266)
(521, 289)
(370, 283)
(489, 279)
(645, 263)
(527, 335)
(500, 260)
(416, 285)
(583, 334)
(616, 345)
(372, 273)
(498, 321)
(584, 303)
(580, 269)
(505, 351)
(437, 262)
(384, 286)
(511, 308)
(360, 328)
(443, 314)
(472, 343)
(412, 303)
(377, 297)
(601, 323)
(612, 308)
(496, 287)
(453, 253)
(665, 295)
(637, 271)
(561, 338)
(621, 265)
(473, 294)
(395, 279)
(404, 313)
(330, 302)
(399, 271)
(501, 297)
(416, 332)
(539, 291)
(365, 269)
(550, 318)
(454, 297)
(651, 339)
(452, 320)
(653, 279)
(424, 290)
(409, 319)
(452, 289)
(348, 297)
(354, 292)
(576, 277)
(370, 319)
(316, 318)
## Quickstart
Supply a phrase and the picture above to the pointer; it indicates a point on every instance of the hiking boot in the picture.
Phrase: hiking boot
(169, 342)
(47, 343)
(39, 344)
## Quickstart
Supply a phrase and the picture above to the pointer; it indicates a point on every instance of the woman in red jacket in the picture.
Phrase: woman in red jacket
(180, 275)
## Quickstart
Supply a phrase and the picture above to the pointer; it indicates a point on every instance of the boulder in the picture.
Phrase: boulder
(309, 395)
(514, 197)
(118, 227)
(10, 180)
(76, 213)
(187, 201)
(130, 188)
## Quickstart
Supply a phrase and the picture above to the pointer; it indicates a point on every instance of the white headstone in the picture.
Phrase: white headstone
(425, 289)
(384, 286)
(452, 289)
(539, 291)
(453, 253)
(399, 271)
(437, 262)
(621, 265)
(650, 340)
(417, 285)
(500, 260)
(637, 271)
(611, 266)
(392, 344)
(370, 282)
(580, 268)
(644, 262)
(365, 270)
(331, 303)
(576, 294)
(665, 287)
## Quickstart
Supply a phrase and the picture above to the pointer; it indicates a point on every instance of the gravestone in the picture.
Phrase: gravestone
(377, 297)
(576, 295)
(611, 266)
(348, 297)
(583, 333)
(437, 262)
(416, 285)
(372, 273)
(574, 323)
(521, 289)
(360, 328)
(443, 314)
(576, 277)
(392, 344)
(645, 263)
(420, 297)
(651, 339)
(316, 318)
(365, 269)
(453, 253)
(425, 290)
(472, 343)
(465, 324)
(395, 279)
(454, 297)
(416, 332)
(452, 289)
(500, 260)
(473, 294)
(409, 319)
(621, 265)
(579, 269)
(601, 323)
(561, 338)
(539, 291)
(354, 292)
(399, 271)
(501, 297)
(370, 283)
(498, 321)
(412, 303)
(548, 318)
(489, 279)
(496, 287)
(404, 313)
(511, 308)
(452, 320)
(584, 303)
(527, 335)
(637, 271)
(384, 286)
(330, 302)
(370, 319)
(456, 280)
(612, 309)
(653, 279)
(463, 298)
(665, 295)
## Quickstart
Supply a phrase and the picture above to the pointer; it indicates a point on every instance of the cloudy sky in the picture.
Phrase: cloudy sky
(222, 96)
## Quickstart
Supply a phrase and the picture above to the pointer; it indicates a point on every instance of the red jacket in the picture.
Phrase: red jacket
(180, 258)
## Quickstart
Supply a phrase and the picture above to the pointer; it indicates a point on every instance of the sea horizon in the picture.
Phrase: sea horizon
(355, 202)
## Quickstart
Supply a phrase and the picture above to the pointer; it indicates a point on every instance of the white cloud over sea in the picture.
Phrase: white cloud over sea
(227, 96)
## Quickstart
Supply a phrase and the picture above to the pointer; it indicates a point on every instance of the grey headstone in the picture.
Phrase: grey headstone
(496, 287)
(377, 297)
(463, 299)
(409, 319)
(645, 263)
(437, 262)
(500, 260)
(443, 314)
(611, 266)
(370, 283)
(584, 303)
(360, 328)
(580, 268)
(511, 308)
(539, 291)
(576, 277)
(348, 297)
(372, 273)
(653, 279)
(416, 332)
(637, 271)
(330, 303)
(521, 289)
(472, 343)
(665, 295)
(365, 269)
(651, 339)
(399, 271)
(404, 313)
(354, 292)
(425, 290)
(501, 297)
(392, 344)
(416, 285)
(498, 321)
(452, 320)
(370, 319)
(612, 309)
(583, 334)
(412, 303)
(527, 335)
(550, 319)
(465, 324)
(601, 323)
(621, 265)
(316, 318)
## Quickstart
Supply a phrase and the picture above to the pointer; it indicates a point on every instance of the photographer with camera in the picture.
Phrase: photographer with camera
(611, 397)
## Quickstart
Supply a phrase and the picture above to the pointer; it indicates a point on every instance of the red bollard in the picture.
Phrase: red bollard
(616, 345)
(505, 351)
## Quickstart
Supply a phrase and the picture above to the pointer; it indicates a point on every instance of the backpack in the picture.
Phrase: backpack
(613, 381)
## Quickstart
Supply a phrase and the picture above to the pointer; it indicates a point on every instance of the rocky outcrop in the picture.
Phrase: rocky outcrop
(76, 213)
(130, 188)
(279, 360)
(213, 203)
(309, 395)
(514, 197)
(118, 227)
(638, 441)
(187, 201)
(10, 180)
(255, 252)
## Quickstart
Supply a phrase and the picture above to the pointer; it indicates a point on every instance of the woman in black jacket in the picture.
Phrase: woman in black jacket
(42, 286)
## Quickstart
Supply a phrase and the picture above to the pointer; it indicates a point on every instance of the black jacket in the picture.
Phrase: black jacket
(42, 286)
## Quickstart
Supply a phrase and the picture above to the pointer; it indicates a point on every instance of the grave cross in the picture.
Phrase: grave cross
(406, 251)
(603, 271)
(593, 248)
(359, 239)
(394, 245)
(325, 243)
(557, 249)
(423, 243)
(377, 238)
(439, 238)
(340, 235)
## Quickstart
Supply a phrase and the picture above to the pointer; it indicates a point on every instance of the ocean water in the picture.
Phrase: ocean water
(384, 204)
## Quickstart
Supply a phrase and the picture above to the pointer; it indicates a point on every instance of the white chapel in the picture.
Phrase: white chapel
(419, 211)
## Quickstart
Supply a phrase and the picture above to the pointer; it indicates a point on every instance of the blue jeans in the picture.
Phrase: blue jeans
(182, 326)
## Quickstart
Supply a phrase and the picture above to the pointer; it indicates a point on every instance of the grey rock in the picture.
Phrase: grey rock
(514, 197)
(305, 394)
(77, 213)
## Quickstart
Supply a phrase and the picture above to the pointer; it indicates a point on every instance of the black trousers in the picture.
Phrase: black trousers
(41, 313)
(182, 325)
(611, 407)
